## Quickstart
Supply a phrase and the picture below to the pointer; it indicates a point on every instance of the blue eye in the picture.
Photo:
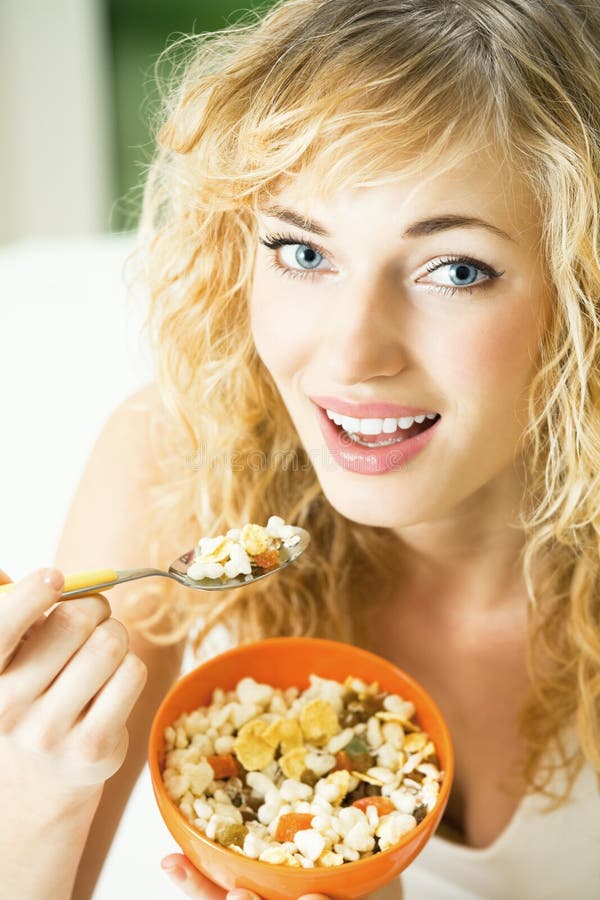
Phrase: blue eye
(304, 260)
(307, 256)
(463, 272)
(460, 271)
(298, 259)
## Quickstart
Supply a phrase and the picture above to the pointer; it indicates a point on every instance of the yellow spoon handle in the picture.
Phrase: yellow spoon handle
(81, 580)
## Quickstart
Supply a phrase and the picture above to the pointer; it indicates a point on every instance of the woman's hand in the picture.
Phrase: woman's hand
(193, 884)
(67, 686)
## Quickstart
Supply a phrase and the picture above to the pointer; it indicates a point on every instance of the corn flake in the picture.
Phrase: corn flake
(414, 742)
(396, 717)
(292, 763)
(254, 539)
(362, 776)
(319, 721)
(286, 732)
(253, 749)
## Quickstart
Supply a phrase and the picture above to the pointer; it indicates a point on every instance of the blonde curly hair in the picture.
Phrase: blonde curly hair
(341, 91)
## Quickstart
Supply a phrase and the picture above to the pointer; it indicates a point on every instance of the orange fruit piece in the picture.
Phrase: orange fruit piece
(266, 559)
(224, 765)
(290, 823)
(343, 761)
(381, 804)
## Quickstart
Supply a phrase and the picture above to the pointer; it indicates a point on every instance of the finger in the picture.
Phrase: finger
(49, 644)
(189, 880)
(82, 678)
(110, 708)
(20, 607)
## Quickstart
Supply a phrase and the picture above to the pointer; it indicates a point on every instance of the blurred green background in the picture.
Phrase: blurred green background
(138, 31)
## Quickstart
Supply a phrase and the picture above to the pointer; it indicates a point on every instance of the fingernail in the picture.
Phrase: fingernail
(174, 871)
(54, 578)
(238, 894)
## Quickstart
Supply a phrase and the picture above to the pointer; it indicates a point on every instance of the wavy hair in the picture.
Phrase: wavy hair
(340, 91)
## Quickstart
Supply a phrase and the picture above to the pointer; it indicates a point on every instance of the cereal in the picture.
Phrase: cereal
(306, 779)
(254, 539)
(292, 763)
(319, 721)
(240, 550)
(285, 732)
(252, 747)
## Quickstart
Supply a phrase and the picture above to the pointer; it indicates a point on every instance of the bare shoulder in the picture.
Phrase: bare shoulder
(130, 425)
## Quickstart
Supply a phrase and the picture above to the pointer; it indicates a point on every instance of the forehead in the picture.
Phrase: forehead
(481, 183)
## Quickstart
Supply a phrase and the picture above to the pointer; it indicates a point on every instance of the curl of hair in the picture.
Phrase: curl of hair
(340, 91)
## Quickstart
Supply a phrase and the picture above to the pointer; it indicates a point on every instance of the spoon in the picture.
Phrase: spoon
(82, 583)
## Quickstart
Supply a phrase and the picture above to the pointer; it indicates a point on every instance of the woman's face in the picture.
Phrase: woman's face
(364, 311)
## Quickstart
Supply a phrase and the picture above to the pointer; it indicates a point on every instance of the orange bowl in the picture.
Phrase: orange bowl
(282, 663)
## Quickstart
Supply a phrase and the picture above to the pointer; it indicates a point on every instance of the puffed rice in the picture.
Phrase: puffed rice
(241, 550)
(311, 754)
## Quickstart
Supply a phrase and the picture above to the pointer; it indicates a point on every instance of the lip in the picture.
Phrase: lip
(368, 410)
(370, 460)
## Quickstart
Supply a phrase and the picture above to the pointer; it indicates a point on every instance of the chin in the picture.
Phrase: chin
(365, 505)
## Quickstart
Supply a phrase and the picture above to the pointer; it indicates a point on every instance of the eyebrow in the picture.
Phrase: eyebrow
(420, 228)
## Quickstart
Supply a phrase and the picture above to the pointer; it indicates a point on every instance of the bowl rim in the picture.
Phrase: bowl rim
(224, 852)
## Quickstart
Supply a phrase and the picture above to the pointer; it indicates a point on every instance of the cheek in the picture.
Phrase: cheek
(490, 358)
(285, 331)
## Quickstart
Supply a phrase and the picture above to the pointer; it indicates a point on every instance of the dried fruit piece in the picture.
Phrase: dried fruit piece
(362, 762)
(228, 833)
(290, 823)
(224, 765)
(309, 777)
(356, 746)
(381, 804)
(319, 721)
(343, 761)
(266, 559)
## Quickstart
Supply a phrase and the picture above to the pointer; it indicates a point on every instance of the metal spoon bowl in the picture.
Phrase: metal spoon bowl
(82, 583)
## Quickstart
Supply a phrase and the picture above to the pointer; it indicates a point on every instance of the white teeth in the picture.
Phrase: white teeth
(348, 423)
(371, 426)
(376, 426)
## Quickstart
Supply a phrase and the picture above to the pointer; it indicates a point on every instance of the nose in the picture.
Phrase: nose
(366, 338)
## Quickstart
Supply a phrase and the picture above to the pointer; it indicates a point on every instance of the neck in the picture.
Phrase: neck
(468, 561)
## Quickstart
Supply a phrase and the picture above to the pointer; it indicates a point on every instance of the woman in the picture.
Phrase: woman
(363, 214)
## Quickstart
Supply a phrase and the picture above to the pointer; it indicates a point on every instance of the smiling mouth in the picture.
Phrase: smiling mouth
(382, 432)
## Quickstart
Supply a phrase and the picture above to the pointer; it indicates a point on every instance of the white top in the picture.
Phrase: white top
(537, 857)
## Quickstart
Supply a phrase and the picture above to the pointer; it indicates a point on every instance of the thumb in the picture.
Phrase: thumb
(189, 880)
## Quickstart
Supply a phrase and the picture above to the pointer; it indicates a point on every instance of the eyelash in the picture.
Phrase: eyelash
(273, 242)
